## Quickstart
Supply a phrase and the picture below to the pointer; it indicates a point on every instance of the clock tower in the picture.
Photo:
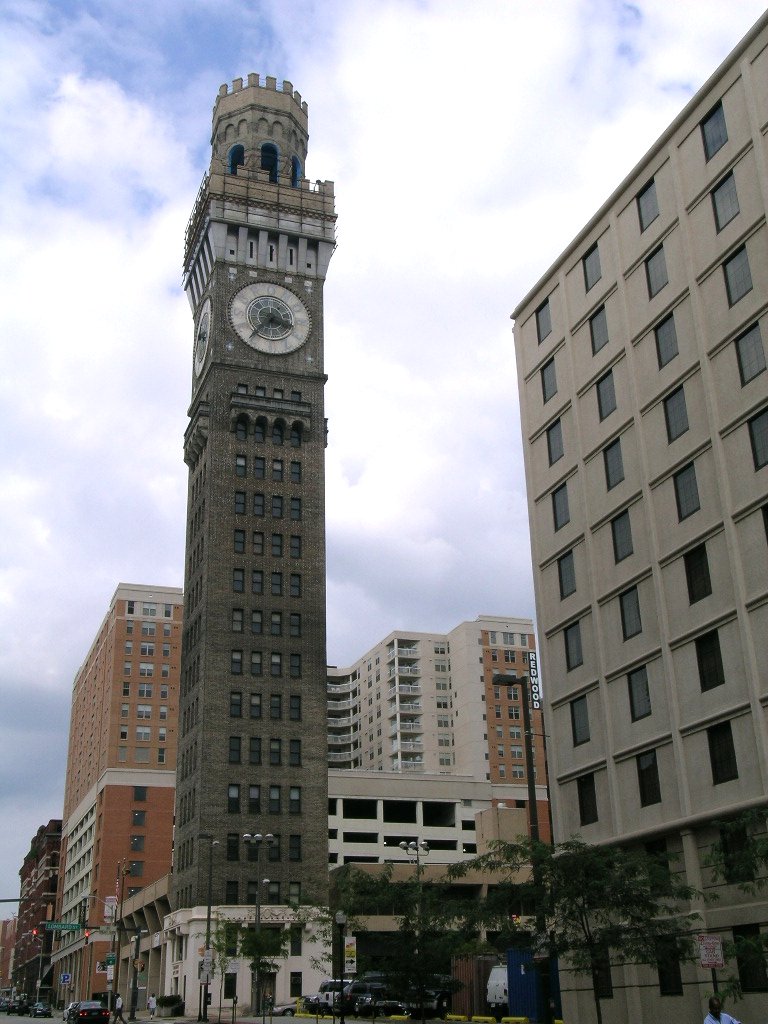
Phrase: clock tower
(252, 717)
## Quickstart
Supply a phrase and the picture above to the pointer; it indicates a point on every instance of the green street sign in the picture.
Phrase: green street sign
(110, 958)
(61, 926)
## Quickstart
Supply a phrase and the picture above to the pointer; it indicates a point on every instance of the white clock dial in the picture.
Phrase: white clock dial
(202, 335)
(270, 318)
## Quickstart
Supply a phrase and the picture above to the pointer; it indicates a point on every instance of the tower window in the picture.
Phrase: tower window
(235, 159)
(713, 131)
(269, 160)
(295, 172)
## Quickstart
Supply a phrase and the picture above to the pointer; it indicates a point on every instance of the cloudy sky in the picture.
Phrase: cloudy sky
(469, 141)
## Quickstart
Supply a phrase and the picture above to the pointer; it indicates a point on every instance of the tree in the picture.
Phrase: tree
(266, 947)
(599, 904)
(739, 856)
(225, 944)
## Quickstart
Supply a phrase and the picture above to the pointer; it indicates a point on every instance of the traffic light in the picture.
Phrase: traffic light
(35, 933)
(87, 934)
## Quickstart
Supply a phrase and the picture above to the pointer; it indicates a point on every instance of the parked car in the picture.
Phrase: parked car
(316, 1004)
(92, 1010)
(19, 1006)
(284, 1009)
(379, 1003)
(41, 1010)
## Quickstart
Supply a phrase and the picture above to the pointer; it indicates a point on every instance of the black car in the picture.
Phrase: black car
(41, 1010)
(91, 1010)
(19, 1006)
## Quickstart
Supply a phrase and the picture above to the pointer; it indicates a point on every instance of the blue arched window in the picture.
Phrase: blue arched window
(295, 172)
(269, 160)
(235, 159)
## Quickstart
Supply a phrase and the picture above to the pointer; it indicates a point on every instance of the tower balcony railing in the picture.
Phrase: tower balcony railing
(410, 707)
(339, 739)
(405, 689)
(340, 756)
(413, 728)
(342, 705)
(404, 670)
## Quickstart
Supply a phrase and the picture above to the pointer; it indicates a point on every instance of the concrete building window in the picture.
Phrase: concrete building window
(758, 436)
(725, 202)
(750, 355)
(269, 161)
(138, 818)
(276, 584)
(722, 753)
(294, 707)
(294, 627)
(560, 511)
(639, 694)
(255, 705)
(294, 753)
(278, 435)
(257, 622)
(257, 581)
(277, 469)
(235, 158)
(231, 898)
(666, 340)
(585, 787)
(598, 330)
(591, 264)
(275, 752)
(238, 578)
(573, 652)
(631, 623)
(295, 584)
(548, 380)
(257, 542)
(258, 505)
(555, 441)
(579, 721)
(233, 846)
(606, 395)
(233, 798)
(714, 133)
(738, 276)
(259, 467)
(295, 179)
(236, 663)
(273, 894)
(235, 744)
(697, 573)
(647, 205)
(750, 958)
(614, 464)
(277, 506)
(146, 669)
(241, 428)
(144, 711)
(676, 414)
(237, 620)
(621, 532)
(294, 850)
(686, 492)
(240, 503)
(276, 624)
(543, 321)
(296, 435)
(668, 967)
(656, 271)
(254, 750)
(648, 778)
(566, 573)
(295, 509)
(143, 734)
(235, 704)
(241, 465)
(276, 664)
(295, 666)
(295, 472)
(274, 800)
(254, 807)
(295, 546)
(275, 706)
(294, 800)
(709, 661)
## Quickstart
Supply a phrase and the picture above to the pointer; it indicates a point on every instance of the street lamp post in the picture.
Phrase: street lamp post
(341, 924)
(416, 849)
(533, 821)
(208, 960)
(255, 841)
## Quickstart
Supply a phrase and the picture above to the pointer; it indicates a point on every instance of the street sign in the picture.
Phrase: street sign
(710, 951)
(62, 926)
(64, 979)
(110, 958)
(110, 909)
(206, 977)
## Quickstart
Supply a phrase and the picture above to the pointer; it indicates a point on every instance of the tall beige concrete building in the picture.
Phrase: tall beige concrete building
(644, 402)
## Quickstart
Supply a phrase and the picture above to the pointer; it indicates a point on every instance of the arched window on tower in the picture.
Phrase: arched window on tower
(277, 433)
(295, 172)
(235, 158)
(296, 435)
(269, 160)
(259, 429)
(241, 428)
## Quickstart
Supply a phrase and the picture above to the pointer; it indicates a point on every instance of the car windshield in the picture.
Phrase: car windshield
(91, 1005)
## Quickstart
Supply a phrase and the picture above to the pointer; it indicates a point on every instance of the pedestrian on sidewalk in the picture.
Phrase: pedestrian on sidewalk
(717, 1014)
(118, 1009)
(152, 1006)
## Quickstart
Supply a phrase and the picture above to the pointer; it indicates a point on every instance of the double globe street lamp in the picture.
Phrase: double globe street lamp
(255, 841)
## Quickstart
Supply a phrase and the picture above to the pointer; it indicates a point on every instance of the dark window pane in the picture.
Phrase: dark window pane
(548, 380)
(750, 958)
(656, 271)
(579, 720)
(585, 786)
(614, 464)
(750, 354)
(555, 441)
(591, 264)
(560, 509)
(722, 754)
(621, 531)
(598, 330)
(573, 652)
(697, 573)
(709, 661)
(648, 778)
(639, 694)
(714, 132)
(543, 321)
(738, 276)
(676, 414)
(666, 340)
(686, 491)
(758, 436)
(567, 574)
(631, 623)
(647, 205)
(606, 395)
(668, 966)
(725, 202)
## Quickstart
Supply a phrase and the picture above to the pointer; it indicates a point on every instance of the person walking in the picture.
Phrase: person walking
(717, 1014)
(152, 1006)
(118, 1016)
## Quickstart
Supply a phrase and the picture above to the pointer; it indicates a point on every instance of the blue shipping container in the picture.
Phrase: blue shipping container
(523, 986)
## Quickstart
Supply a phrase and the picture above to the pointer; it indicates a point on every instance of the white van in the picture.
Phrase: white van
(497, 992)
(331, 987)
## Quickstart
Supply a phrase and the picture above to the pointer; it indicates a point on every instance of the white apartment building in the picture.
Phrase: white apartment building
(644, 403)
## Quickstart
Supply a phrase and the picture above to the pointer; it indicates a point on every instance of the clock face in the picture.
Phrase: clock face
(270, 318)
(202, 334)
